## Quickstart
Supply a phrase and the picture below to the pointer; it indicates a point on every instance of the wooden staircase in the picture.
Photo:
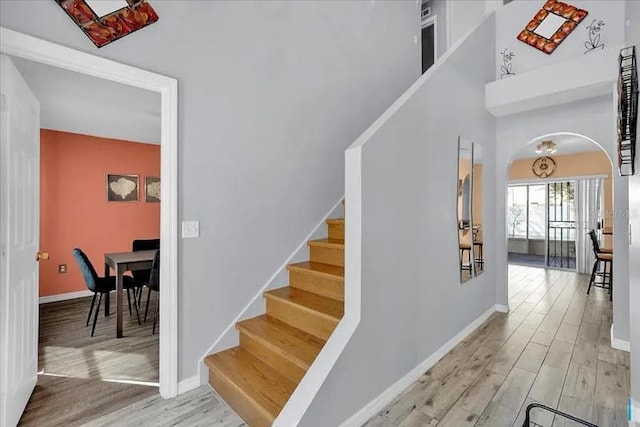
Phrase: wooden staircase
(257, 377)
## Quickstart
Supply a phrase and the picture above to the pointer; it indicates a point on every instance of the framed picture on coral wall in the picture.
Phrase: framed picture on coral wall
(122, 188)
(151, 189)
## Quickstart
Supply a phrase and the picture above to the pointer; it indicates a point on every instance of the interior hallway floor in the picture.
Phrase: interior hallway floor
(552, 348)
(104, 381)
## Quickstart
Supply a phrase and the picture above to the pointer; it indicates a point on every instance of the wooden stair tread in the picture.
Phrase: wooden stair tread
(327, 243)
(264, 386)
(328, 307)
(298, 346)
(335, 221)
(318, 269)
(277, 348)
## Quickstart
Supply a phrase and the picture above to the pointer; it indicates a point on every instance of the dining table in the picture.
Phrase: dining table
(122, 262)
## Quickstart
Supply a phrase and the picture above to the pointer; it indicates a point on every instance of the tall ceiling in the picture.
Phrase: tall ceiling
(78, 103)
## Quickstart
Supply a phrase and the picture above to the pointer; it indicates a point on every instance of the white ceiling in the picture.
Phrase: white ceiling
(78, 103)
(565, 144)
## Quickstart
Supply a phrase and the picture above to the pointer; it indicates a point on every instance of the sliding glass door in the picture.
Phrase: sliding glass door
(526, 224)
(561, 225)
(541, 224)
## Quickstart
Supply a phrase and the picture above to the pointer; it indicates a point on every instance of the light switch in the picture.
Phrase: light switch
(190, 229)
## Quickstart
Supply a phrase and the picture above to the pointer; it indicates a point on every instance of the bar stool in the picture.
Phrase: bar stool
(606, 258)
(464, 247)
(479, 254)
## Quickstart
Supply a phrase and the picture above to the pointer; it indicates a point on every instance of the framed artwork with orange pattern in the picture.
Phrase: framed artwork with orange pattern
(551, 25)
(106, 22)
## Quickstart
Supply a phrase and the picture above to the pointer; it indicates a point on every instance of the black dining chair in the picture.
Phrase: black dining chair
(154, 285)
(99, 285)
(141, 277)
(606, 258)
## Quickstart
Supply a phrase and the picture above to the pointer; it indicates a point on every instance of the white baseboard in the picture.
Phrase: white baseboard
(380, 402)
(189, 384)
(620, 344)
(501, 308)
(634, 413)
(64, 297)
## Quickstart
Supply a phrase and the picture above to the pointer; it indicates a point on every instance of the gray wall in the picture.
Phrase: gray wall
(634, 282)
(595, 119)
(510, 21)
(412, 299)
(633, 37)
(439, 7)
(271, 93)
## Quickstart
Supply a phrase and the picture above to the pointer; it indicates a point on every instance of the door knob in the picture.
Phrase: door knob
(42, 256)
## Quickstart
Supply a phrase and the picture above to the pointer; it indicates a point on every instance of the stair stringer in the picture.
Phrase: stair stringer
(230, 337)
(310, 384)
(319, 370)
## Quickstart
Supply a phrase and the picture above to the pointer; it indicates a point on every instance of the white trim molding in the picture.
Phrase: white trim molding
(307, 389)
(65, 296)
(188, 384)
(633, 413)
(619, 344)
(45, 52)
(501, 308)
(221, 343)
(449, 22)
(559, 178)
(380, 402)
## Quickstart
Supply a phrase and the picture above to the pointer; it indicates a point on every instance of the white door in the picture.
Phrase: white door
(19, 240)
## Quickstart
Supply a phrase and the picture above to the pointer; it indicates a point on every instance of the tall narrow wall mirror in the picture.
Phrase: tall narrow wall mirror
(478, 206)
(465, 184)
(470, 209)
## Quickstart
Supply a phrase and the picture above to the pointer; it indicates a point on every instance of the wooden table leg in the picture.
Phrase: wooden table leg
(119, 298)
(107, 300)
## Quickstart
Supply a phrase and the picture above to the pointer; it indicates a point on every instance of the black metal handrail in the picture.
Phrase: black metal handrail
(527, 419)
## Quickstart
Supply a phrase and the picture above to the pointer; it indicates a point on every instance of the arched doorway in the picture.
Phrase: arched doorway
(559, 186)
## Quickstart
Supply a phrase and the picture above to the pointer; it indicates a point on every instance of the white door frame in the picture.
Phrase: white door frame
(27, 47)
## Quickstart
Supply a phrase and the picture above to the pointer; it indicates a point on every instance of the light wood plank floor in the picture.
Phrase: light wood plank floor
(102, 380)
(552, 348)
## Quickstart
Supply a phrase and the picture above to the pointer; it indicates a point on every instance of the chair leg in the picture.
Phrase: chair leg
(155, 317)
(129, 301)
(107, 304)
(135, 305)
(93, 303)
(593, 276)
(146, 310)
(611, 281)
(139, 290)
(95, 317)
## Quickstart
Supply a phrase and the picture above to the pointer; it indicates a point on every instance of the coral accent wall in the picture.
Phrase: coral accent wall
(74, 211)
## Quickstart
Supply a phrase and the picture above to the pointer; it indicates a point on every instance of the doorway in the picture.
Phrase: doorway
(429, 35)
(30, 48)
(542, 224)
(548, 218)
